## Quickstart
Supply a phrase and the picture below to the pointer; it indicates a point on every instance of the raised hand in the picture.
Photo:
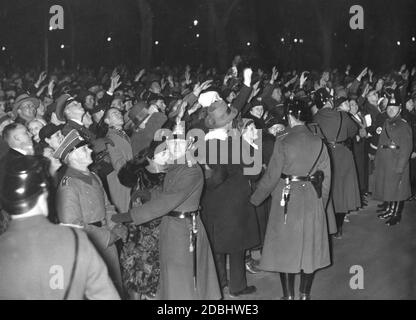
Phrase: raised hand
(303, 78)
(200, 87)
(115, 82)
(51, 85)
(139, 75)
(41, 78)
(275, 73)
(247, 73)
(188, 76)
(362, 74)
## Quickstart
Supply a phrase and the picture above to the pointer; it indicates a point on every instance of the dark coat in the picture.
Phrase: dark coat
(4, 148)
(302, 243)
(392, 180)
(83, 131)
(345, 188)
(375, 130)
(35, 252)
(8, 159)
(228, 216)
(182, 188)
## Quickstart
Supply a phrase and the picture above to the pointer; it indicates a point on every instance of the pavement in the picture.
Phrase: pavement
(371, 261)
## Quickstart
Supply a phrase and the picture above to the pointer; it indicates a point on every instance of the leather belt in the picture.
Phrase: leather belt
(98, 224)
(183, 215)
(334, 143)
(295, 178)
(390, 146)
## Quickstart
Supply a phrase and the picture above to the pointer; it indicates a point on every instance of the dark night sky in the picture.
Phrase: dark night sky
(260, 22)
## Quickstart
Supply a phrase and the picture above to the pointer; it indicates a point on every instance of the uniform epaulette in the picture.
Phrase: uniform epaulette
(65, 181)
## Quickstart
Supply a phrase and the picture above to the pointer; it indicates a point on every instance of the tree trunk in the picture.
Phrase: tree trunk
(219, 18)
(325, 27)
(146, 32)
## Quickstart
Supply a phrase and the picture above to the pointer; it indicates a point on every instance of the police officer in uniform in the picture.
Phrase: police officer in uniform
(298, 178)
(41, 260)
(83, 203)
(392, 179)
(338, 129)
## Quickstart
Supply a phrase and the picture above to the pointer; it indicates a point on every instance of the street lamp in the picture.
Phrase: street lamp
(282, 39)
(295, 40)
(248, 44)
(398, 43)
(3, 48)
(195, 22)
(413, 39)
(109, 39)
(300, 40)
(62, 46)
(156, 42)
(197, 35)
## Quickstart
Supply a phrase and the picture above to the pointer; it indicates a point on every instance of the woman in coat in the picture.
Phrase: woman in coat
(298, 241)
(392, 179)
(139, 258)
(187, 269)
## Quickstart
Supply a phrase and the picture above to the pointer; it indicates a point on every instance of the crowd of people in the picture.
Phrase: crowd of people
(83, 156)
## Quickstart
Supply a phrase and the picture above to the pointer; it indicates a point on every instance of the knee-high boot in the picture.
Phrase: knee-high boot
(305, 287)
(288, 285)
(388, 212)
(397, 214)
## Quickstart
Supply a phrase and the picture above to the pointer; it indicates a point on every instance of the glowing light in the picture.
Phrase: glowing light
(109, 39)
(62, 46)
(50, 28)
(156, 42)
(3, 48)
(413, 39)
(398, 43)
(195, 22)
(300, 40)
(248, 44)
(282, 39)
(345, 45)
(197, 35)
(295, 40)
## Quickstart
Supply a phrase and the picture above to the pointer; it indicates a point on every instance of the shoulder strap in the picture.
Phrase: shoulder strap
(387, 131)
(74, 266)
(317, 158)
(339, 128)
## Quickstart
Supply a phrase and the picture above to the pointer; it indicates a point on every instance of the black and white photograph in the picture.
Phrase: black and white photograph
(228, 152)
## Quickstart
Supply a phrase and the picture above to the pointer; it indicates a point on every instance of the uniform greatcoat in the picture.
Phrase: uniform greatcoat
(345, 188)
(81, 201)
(392, 179)
(120, 153)
(302, 243)
(35, 252)
(182, 188)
